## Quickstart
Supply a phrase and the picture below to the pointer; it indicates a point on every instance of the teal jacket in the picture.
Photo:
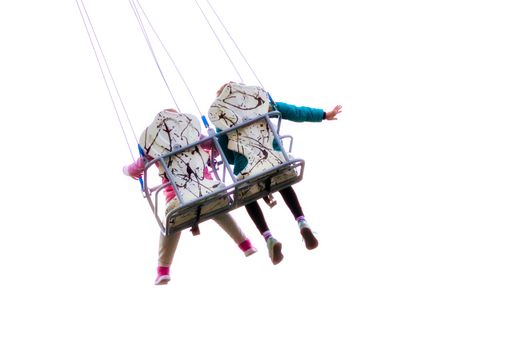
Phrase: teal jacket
(288, 112)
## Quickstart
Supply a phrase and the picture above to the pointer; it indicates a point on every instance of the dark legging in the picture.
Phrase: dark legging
(291, 200)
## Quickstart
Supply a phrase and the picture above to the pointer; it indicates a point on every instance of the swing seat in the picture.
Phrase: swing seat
(173, 139)
(192, 213)
(270, 181)
(242, 112)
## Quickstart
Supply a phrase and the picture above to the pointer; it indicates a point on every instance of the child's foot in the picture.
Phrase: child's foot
(274, 249)
(163, 276)
(250, 251)
(247, 247)
(306, 232)
(161, 280)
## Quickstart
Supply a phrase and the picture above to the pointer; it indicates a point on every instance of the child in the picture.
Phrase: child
(169, 131)
(252, 151)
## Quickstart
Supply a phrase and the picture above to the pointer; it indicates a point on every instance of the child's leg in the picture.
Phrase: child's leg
(274, 246)
(291, 200)
(256, 214)
(229, 225)
(167, 248)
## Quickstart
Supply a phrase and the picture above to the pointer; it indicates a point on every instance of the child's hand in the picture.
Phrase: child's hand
(331, 115)
(125, 171)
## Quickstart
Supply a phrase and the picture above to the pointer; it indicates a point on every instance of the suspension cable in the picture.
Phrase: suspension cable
(145, 35)
(87, 22)
(234, 42)
(166, 51)
(219, 41)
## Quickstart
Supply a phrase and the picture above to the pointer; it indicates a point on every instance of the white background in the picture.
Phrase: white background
(418, 192)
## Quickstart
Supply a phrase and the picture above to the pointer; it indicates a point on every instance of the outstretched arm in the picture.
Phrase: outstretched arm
(136, 169)
(331, 115)
(299, 113)
(306, 114)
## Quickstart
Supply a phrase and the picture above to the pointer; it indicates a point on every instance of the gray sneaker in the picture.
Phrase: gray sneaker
(274, 249)
(306, 232)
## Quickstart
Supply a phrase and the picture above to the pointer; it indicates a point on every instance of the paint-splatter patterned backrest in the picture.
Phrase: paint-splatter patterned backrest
(238, 103)
(170, 131)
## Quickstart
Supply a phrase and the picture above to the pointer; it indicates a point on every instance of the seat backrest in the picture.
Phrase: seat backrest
(236, 104)
(167, 133)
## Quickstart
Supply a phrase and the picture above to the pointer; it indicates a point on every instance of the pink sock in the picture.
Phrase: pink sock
(245, 245)
(163, 270)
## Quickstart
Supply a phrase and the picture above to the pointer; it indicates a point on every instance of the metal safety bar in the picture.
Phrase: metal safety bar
(235, 194)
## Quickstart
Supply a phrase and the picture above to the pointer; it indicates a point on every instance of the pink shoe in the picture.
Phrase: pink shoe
(163, 276)
(250, 251)
(161, 280)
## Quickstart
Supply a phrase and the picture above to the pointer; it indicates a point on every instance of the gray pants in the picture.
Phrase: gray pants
(169, 243)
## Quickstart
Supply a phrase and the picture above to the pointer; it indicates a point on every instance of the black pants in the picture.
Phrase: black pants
(291, 200)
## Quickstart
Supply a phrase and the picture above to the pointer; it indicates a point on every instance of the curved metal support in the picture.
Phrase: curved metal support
(238, 193)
